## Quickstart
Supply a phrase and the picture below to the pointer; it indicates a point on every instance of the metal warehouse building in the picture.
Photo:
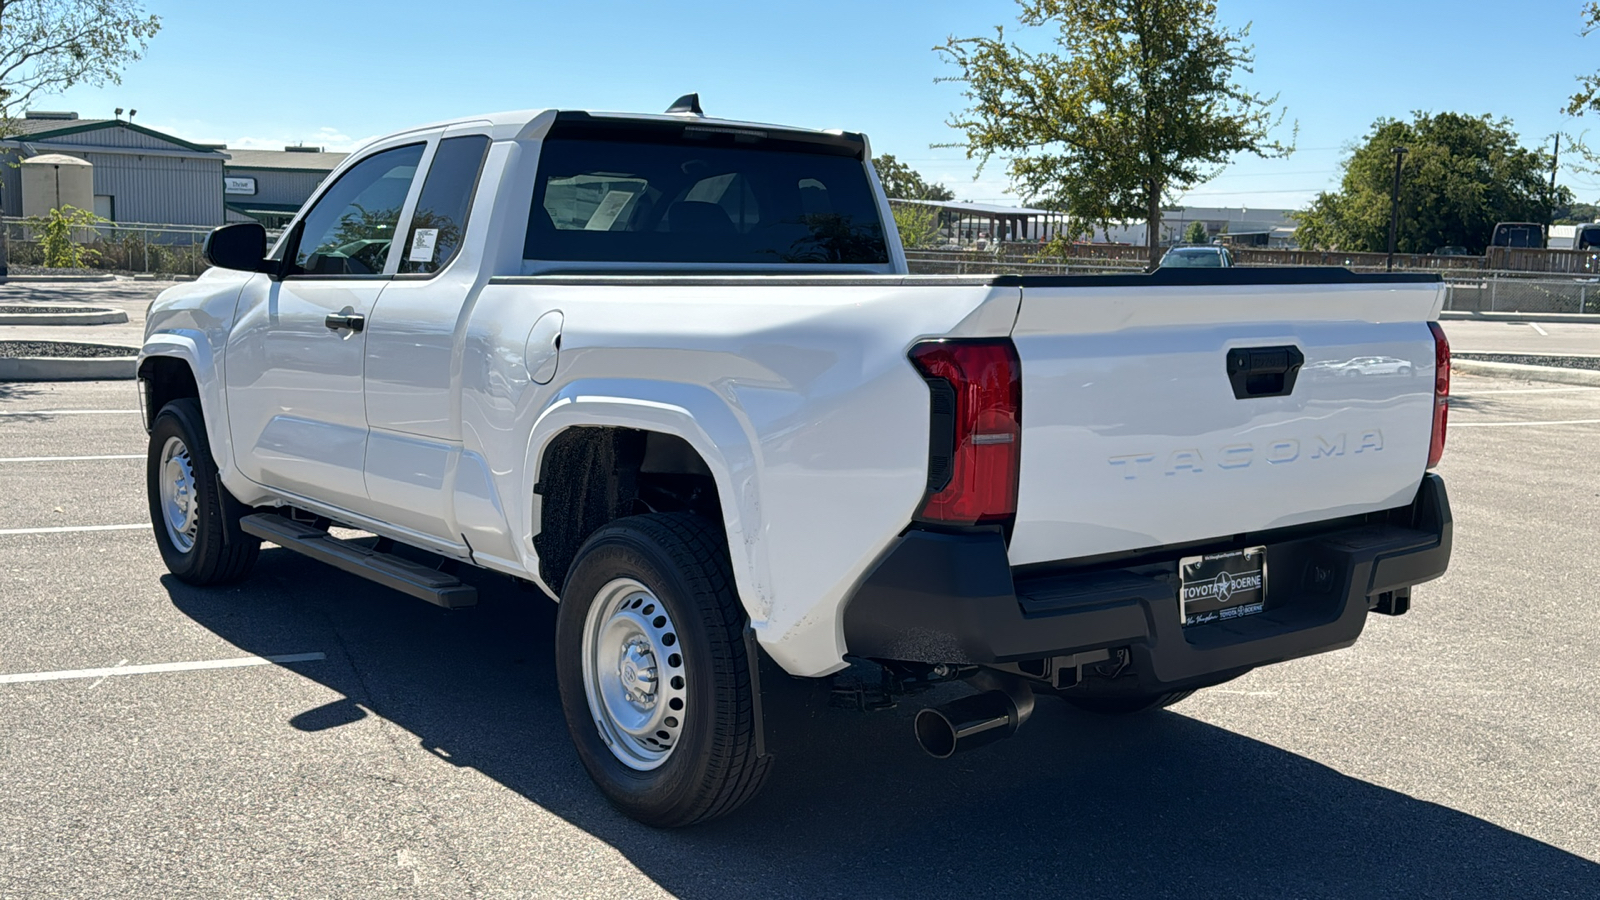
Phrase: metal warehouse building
(270, 185)
(143, 175)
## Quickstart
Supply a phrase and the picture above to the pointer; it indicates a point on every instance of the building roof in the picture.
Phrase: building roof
(32, 126)
(980, 209)
(55, 159)
(283, 159)
(43, 129)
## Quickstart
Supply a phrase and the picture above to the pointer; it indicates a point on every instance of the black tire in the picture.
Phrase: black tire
(218, 551)
(713, 767)
(1126, 705)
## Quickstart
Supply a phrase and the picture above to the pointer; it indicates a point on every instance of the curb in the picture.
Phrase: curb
(69, 279)
(1469, 316)
(1589, 377)
(89, 316)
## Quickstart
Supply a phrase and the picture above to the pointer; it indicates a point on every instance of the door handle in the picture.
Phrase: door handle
(352, 321)
(1264, 371)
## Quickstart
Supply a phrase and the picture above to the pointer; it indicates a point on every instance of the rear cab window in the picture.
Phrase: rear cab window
(704, 195)
(440, 219)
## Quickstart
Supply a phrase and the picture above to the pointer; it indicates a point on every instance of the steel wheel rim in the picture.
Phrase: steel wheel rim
(634, 674)
(180, 505)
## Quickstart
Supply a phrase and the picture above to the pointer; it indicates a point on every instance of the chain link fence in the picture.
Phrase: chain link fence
(116, 247)
(1499, 292)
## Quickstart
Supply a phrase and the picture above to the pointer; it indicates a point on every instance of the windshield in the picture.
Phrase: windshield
(684, 200)
(1198, 258)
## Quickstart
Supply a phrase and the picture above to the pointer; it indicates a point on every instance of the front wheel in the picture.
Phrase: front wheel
(196, 521)
(1126, 705)
(654, 674)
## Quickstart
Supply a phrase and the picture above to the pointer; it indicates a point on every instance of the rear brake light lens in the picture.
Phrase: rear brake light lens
(976, 442)
(1441, 393)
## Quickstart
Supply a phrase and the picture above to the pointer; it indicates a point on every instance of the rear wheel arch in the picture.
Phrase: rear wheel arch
(590, 476)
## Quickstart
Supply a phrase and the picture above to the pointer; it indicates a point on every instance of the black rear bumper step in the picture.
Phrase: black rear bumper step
(391, 571)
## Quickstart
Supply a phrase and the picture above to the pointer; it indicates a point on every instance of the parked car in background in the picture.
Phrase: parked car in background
(1197, 258)
(1526, 235)
(1373, 365)
(1452, 250)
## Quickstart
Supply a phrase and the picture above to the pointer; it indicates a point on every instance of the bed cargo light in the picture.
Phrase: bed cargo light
(975, 445)
(1441, 393)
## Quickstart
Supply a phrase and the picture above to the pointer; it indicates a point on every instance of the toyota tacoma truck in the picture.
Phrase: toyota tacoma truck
(673, 371)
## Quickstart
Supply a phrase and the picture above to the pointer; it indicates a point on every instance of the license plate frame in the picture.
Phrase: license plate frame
(1219, 587)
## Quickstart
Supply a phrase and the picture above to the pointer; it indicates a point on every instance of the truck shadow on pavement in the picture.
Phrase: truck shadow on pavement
(1075, 805)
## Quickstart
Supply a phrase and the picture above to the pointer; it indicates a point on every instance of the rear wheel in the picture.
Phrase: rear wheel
(196, 520)
(654, 672)
(1128, 704)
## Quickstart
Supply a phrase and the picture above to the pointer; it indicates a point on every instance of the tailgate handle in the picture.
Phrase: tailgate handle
(1264, 371)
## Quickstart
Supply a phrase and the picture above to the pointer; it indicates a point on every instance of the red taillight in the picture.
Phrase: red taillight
(977, 430)
(1441, 393)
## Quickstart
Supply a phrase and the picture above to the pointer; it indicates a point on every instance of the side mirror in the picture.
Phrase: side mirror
(241, 246)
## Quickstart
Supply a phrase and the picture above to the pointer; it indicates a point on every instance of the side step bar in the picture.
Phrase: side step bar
(386, 569)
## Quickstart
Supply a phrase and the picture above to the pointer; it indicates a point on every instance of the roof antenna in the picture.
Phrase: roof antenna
(687, 105)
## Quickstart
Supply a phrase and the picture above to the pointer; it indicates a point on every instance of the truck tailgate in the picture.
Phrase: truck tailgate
(1133, 436)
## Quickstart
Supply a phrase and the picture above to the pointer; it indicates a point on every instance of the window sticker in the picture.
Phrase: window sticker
(608, 211)
(423, 242)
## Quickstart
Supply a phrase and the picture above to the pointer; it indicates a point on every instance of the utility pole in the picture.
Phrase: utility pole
(1394, 204)
(1555, 161)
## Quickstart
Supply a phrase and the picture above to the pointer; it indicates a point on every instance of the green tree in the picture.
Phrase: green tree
(48, 46)
(1576, 214)
(901, 182)
(1139, 103)
(918, 225)
(1196, 233)
(1587, 99)
(57, 239)
(1462, 175)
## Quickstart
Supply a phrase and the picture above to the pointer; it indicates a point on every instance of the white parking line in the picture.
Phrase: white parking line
(23, 459)
(1559, 390)
(119, 670)
(1454, 425)
(1535, 327)
(64, 529)
(67, 412)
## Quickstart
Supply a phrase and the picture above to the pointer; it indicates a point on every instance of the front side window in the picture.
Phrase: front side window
(441, 217)
(351, 228)
(683, 201)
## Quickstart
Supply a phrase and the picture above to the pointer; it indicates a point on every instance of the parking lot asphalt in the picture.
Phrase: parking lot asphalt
(1452, 752)
(126, 294)
(1554, 338)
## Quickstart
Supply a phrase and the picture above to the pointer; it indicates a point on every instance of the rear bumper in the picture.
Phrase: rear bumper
(940, 598)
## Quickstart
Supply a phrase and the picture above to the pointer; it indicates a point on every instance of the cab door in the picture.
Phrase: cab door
(413, 354)
(295, 358)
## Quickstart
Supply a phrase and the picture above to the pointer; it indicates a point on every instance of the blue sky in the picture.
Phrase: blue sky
(336, 73)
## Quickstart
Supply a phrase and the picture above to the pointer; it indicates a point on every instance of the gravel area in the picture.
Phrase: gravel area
(1524, 359)
(51, 310)
(42, 270)
(64, 349)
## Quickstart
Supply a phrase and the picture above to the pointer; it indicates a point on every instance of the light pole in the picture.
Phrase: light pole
(1394, 205)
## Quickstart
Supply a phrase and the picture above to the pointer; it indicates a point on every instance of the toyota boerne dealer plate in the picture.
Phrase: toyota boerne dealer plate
(1220, 586)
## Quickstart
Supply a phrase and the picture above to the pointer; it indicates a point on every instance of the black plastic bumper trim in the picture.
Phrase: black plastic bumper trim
(952, 598)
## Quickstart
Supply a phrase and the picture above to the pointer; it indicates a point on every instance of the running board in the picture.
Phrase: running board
(386, 569)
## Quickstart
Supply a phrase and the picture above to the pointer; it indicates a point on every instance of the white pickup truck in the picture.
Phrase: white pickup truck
(672, 370)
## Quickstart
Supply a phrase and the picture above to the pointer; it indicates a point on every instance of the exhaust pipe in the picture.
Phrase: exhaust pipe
(969, 722)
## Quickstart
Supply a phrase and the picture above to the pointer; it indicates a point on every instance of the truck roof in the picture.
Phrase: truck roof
(526, 124)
